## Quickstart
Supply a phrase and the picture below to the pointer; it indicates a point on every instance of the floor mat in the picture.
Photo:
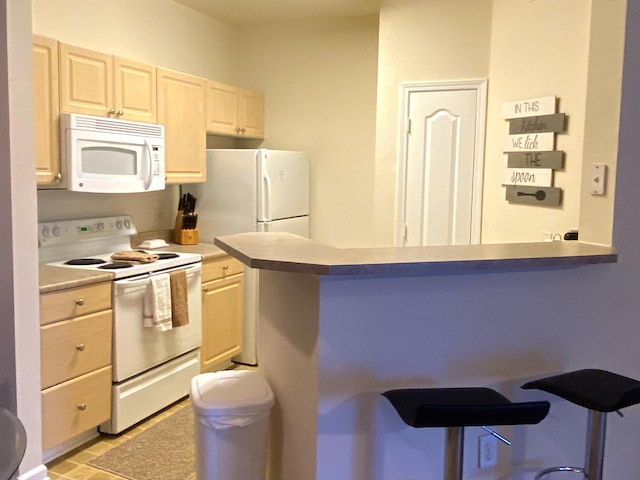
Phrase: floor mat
(163, 452)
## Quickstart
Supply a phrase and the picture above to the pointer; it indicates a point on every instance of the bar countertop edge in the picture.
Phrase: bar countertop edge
(286, 252)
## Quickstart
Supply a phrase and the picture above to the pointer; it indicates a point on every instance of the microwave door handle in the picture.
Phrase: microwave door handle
(147, 184)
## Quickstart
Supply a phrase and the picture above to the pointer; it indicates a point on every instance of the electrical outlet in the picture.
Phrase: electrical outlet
(158, 217)
(487, 451)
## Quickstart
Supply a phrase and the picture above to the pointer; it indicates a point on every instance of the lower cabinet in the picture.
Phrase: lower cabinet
(75, 350)
(222, 286)
(75, 406)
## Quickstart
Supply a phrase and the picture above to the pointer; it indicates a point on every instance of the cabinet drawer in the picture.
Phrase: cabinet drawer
(221, 268)
(75, 406)
(74, 302)
(74, 347)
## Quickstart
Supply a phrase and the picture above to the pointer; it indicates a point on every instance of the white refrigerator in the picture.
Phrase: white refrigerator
(252, 190)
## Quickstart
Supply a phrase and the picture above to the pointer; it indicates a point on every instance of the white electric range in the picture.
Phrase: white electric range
(151, 369)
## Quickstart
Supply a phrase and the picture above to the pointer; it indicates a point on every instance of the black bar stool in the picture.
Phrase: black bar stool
(600, 392)
(456, 408)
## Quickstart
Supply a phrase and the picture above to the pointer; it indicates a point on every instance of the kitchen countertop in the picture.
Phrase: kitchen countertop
(52, 279)
(290, 253)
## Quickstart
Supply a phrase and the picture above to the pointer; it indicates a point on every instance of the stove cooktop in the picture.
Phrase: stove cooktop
(104, 263)
(89, 243)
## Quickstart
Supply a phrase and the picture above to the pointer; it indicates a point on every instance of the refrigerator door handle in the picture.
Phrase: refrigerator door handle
(266, 200)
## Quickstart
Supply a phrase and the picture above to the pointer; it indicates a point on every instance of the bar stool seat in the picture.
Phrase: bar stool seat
(600, 392)
(456, 408)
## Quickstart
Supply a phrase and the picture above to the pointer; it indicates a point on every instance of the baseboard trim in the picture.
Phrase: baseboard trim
(38, 473)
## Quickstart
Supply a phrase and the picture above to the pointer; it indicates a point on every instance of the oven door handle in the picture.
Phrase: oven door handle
(144, 278)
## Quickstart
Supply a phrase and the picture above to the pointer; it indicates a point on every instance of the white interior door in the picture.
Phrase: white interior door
(441, 171)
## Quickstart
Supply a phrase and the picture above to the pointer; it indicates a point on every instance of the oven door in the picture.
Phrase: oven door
(137, 348)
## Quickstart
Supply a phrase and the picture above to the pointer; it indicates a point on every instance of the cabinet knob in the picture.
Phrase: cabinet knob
(205, 289)
(80, 347)
(58, 177)
(225, 267)
(120, 113)
(80, 302)
(243, 130)
(111, 112)
(82, 407)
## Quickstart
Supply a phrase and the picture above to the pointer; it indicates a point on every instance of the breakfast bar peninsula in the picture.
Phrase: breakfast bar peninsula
(339, 326)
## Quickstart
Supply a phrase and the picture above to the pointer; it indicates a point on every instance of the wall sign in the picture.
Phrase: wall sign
(539, 177)
(553, 160)
(548, 196)
(531, 153)
(539, 124)
(532, 142)
(529, 107)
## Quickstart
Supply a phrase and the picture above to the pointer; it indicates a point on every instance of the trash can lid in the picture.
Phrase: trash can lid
(230, 392)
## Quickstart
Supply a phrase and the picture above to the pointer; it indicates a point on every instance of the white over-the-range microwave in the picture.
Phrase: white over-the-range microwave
(105, 155)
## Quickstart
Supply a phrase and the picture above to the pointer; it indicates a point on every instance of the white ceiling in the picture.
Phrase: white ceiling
(243, 12)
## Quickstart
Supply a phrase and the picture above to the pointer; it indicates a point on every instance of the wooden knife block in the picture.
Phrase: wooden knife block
(184, 237)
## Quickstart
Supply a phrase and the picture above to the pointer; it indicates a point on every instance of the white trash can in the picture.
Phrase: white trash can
(231, 413)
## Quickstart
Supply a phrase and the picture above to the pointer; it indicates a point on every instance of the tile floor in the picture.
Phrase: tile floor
(73, 465)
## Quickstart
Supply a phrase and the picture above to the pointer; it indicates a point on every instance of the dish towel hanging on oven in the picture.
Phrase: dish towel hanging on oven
(157, 303)
(179, 303)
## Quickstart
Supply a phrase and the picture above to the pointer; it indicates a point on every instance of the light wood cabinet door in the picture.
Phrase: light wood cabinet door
(221, 312)
(251, 114)
(74, 302)
(181, 109)
(74, 347)
(75, 406)
(46, 110)
(232, 111)
(222, 108)
(95, 83)
(86, 81)
(135, 91)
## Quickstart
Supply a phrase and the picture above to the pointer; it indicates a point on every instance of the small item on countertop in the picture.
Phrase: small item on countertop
(154, 243)
(133, 257)
(571, 235)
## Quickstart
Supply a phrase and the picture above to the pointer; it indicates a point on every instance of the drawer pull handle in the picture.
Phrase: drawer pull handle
(80, 347)
(82, 407)
(80, 302)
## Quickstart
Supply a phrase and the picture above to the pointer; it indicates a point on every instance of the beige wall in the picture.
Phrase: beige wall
(421, 41)
(602, 116)
(320, 84)
(158, 32)
(545, 48)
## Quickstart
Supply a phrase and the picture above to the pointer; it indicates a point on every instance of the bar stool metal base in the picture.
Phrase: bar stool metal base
(594, 458)
(560, 469)
(454, 453)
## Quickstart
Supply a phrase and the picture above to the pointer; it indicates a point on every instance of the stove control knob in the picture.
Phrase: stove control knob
(127, 224)
(46, 231)
(119, 224)
(56, 231)
(100, 227)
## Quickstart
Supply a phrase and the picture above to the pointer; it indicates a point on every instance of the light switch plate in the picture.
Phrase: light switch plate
(598, 179)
